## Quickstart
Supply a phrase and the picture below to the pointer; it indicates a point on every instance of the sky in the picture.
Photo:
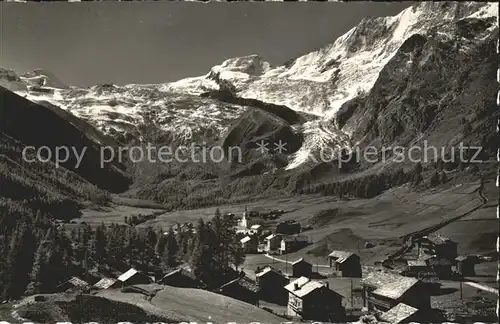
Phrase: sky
(153, 42)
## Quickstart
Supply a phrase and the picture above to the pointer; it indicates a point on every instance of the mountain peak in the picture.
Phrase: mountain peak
(43, 78)
(251, 65)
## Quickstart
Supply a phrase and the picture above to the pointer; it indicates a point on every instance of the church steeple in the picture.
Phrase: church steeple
(244, 218)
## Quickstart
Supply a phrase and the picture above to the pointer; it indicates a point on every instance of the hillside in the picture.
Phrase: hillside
(28, 123)
(194, 305)
(84, 308)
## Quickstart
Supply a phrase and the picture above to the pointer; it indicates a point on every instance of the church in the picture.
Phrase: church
(246, 221)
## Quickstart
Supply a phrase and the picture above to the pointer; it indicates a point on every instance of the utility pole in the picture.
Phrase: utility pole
(352, 296)
(86, 261)
(461, 291)
(286, 263)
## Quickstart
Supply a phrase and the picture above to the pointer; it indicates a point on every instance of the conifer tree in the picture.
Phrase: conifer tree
(434, 180)
(171, 249)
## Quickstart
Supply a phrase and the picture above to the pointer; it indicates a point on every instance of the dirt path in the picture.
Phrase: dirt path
(290, 262)
(482, 287)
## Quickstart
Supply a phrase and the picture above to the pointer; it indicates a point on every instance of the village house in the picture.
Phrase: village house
(74, 284)
(314, 300)
(241, 288)
(465, 266)
(301, 268)
(441, 247)
(414, 267)
(272, 284)
(288, 227)
(272, 242)
(256, 228)
(249, 244)
(401, 313)
(382, 290)
(134, 277)
(106, 283)
(347, 264)
(292, 243)
(181, 277)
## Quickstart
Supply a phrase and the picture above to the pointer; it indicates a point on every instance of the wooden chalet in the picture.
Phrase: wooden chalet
(414, 267)
(272, 242)
(301, 268)
(106, 283)
(272, 284)
(250, 244)
(441, 247)
(347, 264)
(314, 300)
(74, 284)
(134, 277)
(382, 290)
(241, 288)
(292, 243)
(465, 265)
(180, 278)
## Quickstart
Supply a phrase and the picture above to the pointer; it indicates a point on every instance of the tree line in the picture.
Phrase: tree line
(39, 254)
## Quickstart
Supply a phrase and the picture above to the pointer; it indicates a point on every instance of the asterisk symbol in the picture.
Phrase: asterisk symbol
(262, 146)
(280, 146)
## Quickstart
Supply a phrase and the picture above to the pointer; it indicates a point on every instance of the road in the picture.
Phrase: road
(290, 262)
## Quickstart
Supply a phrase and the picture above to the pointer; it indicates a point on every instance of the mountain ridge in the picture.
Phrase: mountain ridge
(368, 87)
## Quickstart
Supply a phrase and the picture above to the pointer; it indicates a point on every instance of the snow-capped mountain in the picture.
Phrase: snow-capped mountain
(317, 83)
(321, 81)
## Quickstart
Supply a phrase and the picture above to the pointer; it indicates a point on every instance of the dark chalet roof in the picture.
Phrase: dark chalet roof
(389, 284)
(181, 271)
(75, 282)
(267, 270)
(244, 282)
(299, 261)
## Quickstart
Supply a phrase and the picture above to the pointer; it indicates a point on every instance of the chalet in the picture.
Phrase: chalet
(414, 267)
(313, 300)
(181, 277)
(347, 264)
(106, 283)
(272, 284)
(257, 228)
(241, 288)
(288, 227)
(292, 243)
(134, 277)
(301, 268)
(401, 313)
(383, 290)
(249, 244)
(74, 284)
(272, 242)
(465, 266)
(437, 245)
(440, 266)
